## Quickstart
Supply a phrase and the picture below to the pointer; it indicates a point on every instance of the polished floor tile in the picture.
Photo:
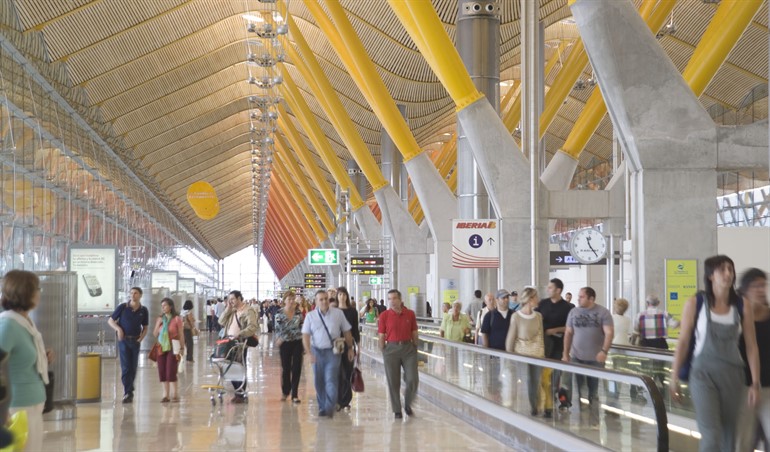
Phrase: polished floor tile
(265, 423)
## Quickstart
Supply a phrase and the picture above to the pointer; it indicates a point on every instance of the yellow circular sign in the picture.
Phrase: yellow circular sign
(203, 199)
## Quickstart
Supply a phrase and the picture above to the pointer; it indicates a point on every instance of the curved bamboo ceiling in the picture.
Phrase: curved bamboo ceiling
(163, 80)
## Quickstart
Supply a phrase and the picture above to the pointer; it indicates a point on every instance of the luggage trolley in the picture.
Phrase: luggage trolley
(230, 366)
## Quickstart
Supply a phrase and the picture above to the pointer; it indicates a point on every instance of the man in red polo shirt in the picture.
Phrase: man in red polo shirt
(398, 341)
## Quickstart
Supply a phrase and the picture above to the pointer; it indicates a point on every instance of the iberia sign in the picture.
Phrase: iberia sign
(475, 243)
(323, 256)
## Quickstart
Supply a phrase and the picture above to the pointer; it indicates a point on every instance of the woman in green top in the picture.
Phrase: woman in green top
(28, 358)
(455, 324)
(371, 313)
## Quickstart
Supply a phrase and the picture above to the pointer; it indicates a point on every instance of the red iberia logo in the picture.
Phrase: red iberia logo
(476, 225)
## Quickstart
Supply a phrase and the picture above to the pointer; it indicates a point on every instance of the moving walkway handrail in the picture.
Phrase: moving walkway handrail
(658, 405)
(644, 352)
(628, 350)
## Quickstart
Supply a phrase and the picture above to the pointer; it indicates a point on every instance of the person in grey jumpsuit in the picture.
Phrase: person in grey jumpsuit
(717, 381)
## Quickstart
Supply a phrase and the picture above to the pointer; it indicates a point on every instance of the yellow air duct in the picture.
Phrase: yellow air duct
(285, 155)
(318, 138)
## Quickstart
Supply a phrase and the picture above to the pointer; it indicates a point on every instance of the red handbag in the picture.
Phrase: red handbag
(357, 379)
(154, 352)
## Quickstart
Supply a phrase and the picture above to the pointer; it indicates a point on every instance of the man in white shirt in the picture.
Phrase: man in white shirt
(489, 305)
(473, 308)
(321, 328)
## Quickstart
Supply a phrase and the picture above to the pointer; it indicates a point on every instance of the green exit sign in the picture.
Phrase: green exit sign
(323, 256)
(375, 280)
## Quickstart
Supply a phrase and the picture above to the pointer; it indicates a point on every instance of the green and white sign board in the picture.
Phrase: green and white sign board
(375, 280)
(323, 256)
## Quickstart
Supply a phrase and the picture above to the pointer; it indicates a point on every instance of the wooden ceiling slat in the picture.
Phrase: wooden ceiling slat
(169, 78)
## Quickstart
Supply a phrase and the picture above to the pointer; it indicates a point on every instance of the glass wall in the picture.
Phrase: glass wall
(62, 184)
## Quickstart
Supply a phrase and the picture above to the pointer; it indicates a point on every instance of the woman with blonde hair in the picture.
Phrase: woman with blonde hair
(525, 337)
(622, 323)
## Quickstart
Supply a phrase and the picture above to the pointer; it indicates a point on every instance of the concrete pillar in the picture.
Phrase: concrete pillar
(392, 163)
(478, 43)
(669, 141)
(532, 105)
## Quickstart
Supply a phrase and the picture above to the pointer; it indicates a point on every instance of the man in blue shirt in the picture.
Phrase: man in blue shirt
(322, 326)
(494, 328)
(130, 321)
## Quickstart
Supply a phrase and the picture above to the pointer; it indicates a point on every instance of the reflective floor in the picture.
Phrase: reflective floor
(265, 423)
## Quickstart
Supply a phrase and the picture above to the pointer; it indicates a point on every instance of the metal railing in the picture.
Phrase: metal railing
(657, 402)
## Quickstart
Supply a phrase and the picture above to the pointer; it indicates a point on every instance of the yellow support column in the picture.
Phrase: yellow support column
(318, 138)
(445, 63)
(562, 86)
(291, 184)
(727, 26)
(299, 225)
(330, 102)
(285, 155)
(595, 108)
(351, 51)
(284, 122)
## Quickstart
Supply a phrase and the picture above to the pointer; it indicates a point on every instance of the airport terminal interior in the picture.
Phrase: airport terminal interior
(440, 148)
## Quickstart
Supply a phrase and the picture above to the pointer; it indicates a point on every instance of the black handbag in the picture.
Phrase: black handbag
(223, 347)
(48, 407)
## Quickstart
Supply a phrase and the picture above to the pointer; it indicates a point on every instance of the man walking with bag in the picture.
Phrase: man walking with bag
(324, 326)
(398, 337)
(130, 322)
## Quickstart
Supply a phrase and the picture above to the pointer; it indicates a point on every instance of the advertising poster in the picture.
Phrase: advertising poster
(168, 280)
(681, 284)
(475, 243)
(186, 285)
(449, 290)
(97, 277)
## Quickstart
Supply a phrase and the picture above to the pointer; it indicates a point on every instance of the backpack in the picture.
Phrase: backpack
(684, 370)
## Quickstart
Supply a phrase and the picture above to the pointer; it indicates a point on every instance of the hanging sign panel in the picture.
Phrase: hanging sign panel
(186, 285)
(681, 284)
(165, 279)
(97, 276)
(323, 256)
(475, 243)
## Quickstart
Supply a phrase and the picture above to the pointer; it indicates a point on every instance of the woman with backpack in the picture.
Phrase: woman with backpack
(707, 356)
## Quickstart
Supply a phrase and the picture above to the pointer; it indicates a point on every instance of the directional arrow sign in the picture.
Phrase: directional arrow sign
(323, 256)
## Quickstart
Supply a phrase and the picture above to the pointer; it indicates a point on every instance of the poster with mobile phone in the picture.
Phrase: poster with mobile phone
(167, 279)
(96, 268)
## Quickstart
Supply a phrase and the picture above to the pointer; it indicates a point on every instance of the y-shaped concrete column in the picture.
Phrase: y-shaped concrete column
(669, 140)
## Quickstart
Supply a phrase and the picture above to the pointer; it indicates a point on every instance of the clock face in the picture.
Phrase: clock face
(588, 246)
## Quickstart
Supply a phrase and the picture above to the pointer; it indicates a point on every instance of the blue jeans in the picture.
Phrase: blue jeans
(593, 389)
(129, 361)
(327, 373)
